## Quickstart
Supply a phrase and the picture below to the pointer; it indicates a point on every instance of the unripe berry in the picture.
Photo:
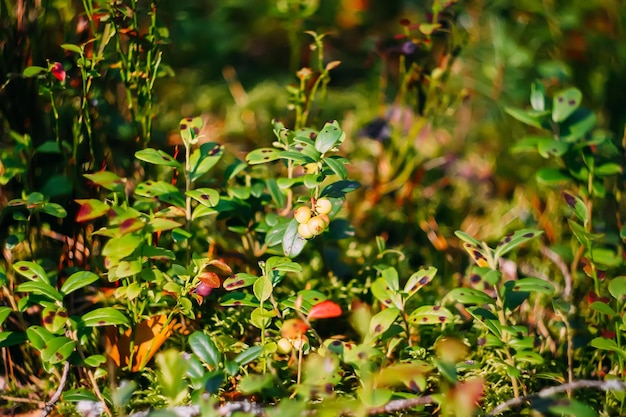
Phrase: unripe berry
(284, 346)
(302, 214)
(304, 231)
(323, 206)
(317, 225)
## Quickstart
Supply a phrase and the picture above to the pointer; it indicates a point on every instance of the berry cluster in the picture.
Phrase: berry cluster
(313, 222)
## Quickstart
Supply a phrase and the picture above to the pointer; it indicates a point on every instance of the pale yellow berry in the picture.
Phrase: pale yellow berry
(284, 346)
(304, 231)
(323, 206)
(302, 214)
(317, 225)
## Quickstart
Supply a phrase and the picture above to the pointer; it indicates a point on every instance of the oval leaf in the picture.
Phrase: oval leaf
(470, 296)
(31, 270)
(105, 316)
(78, 280)
(324, 310)
(156, 157)
(532, 284)
(431, 315)
(204, 348)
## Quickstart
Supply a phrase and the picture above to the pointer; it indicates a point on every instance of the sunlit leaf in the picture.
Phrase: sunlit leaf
(77, 281)
(91, 209)
(31, 270)
(204, 158)
(430, 315)
(40, 288)
(329, 137)
(470, 296)
(564, 103)
(157, 157)
(104, 316)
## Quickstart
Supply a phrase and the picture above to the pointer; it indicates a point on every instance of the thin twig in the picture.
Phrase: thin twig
(558, 261)
(610, 385)
(402, 404)
(47, 409)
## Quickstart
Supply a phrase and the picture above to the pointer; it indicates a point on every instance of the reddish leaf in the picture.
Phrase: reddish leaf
(91, 209)
(324, 310)
(210, 279)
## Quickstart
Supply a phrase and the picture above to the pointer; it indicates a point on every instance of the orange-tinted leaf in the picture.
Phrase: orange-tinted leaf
(221, 266)
(293, 328)
(149, 336)
(324, 310)
(464, 397)
(209, 278)
(91, 209)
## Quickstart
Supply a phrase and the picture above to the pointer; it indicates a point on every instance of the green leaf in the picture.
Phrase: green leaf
(180, 235)
(551, 176)
(72, 48)
(31, 270)
(262, 288)
(610, 168)
(383, 293)
(617, 288)
(569, 407)
(390, 275)
(375, 397)
(531, 284)
(91, 209)
(40, 288)
(381, 321)
(77, 281)
(337, 165)
(204, 158)
(532, 118)
(577, 205)
(128, 268)
(79, 394)
(564, 103)
(38, 336)
(602, 308)
(552, 147)
(49, 146)
(254, 383)
(11, 339)
(202, 211)
(330, 136)
(236, 299)
(603, 343)
(282, 264)
(538, 96)
(57, 350)
(54, 209)
(33, 70)
(248, 355)
(4, 313)
(205, 349)
(298, 157)
(206, 196)
(263, 155)
(293, 243)
(470, 296)
(105, 316)
(339, 189)
(430, 315)
(93, 361)
(583, 236)
(528, 357)
(513, 240)
(164, 191)
(157, 157)
(277, 195)
(467, 238)
(239, 280)
(121, 247)
(190, 129)
(418, 280)
(160, 225)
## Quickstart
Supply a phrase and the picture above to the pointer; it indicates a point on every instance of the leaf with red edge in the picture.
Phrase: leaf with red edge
(324, 310)
(91, 209)
(209, 278)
